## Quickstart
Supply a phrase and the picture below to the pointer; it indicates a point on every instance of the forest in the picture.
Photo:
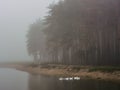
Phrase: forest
(77, 32)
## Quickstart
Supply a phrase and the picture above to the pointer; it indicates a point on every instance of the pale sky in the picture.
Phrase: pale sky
(15, 18)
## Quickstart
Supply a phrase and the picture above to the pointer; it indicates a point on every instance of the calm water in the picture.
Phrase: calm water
(11, 79)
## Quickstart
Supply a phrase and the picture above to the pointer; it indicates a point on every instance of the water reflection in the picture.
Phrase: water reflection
(11, 79)
(37, 82)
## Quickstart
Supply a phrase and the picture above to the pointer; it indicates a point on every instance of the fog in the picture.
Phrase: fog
(15, 18)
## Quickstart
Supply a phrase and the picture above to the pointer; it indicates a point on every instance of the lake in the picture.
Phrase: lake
(12, 79)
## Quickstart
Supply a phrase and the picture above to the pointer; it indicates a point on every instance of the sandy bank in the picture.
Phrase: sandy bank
(67, 71)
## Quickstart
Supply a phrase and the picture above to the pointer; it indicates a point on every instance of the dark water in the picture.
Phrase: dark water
(11, 79)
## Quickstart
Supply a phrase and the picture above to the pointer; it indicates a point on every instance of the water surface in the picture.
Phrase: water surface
(11, 79)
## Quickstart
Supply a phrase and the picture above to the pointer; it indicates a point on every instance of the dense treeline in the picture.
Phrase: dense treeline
(83, 32)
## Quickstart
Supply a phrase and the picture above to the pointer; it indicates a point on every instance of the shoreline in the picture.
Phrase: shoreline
(66, 71)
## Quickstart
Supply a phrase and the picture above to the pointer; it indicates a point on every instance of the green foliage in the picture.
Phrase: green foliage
(76, 68)
(104, 69)
(34, 65)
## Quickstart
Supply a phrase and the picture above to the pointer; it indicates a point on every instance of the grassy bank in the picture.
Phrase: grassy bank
(104, 69)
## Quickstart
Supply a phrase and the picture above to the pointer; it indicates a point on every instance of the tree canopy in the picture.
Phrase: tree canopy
(83, 32)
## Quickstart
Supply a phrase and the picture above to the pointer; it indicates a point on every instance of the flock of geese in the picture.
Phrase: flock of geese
(69, 78)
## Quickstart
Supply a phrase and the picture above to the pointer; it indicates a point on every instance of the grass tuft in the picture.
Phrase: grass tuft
(104, 69)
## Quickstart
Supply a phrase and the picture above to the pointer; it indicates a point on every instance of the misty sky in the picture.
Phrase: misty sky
(15, 18)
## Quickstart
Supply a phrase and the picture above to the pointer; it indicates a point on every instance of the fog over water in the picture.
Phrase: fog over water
(15, 17)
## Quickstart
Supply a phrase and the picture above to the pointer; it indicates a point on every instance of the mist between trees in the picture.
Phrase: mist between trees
(80, 32)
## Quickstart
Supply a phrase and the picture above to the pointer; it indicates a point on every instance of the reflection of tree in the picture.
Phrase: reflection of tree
(37, 82)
